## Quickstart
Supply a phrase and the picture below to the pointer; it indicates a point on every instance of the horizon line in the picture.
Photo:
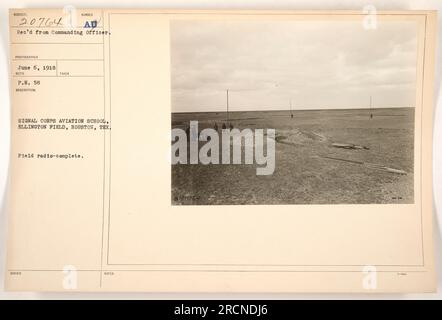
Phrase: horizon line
(293, 110)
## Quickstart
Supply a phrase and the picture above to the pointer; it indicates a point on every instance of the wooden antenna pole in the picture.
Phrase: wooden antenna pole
(227, 105)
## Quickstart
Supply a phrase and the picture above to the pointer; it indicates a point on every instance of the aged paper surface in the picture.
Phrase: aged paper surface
(345, 204)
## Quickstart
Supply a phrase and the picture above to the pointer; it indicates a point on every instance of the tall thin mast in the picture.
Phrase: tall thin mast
(371, 111)
(227, 105)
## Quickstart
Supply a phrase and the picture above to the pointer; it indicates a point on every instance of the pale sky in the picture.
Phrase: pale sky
(316, 65)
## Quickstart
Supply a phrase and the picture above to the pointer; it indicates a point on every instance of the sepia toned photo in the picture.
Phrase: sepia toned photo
(337, 98)
(221, 151)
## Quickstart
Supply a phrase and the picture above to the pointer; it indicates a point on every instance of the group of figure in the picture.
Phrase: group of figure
(215, 127)
(224, 126)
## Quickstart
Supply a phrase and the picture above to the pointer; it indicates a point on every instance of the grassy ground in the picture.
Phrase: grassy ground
(302, 173)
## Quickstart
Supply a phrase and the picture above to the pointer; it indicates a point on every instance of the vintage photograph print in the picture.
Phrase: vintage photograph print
(292, 112)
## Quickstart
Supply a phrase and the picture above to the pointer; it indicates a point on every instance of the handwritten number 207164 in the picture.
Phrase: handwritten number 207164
(41, 22)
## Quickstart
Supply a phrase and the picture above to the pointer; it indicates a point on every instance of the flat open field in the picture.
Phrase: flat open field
(309, 169)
